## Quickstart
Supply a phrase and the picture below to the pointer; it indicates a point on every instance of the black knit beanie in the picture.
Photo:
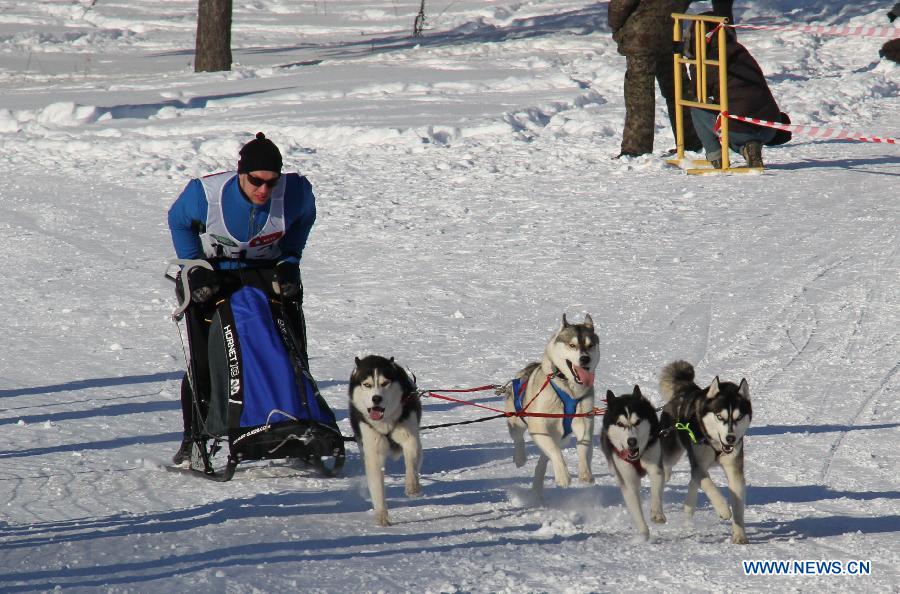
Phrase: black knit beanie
(260, 154)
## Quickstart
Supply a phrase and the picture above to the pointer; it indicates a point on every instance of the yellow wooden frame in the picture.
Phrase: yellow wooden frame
(700, 62)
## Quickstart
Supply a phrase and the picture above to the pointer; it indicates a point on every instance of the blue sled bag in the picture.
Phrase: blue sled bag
(262, 398)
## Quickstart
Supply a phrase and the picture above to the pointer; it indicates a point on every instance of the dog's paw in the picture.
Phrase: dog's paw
(563, 481)
(739, 537)
(641, 537)
(724, 514)
(587, 478)
(381, 517)
(413, 489)
(657, 517)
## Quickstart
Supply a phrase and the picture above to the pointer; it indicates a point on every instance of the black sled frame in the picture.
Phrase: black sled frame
(308, 442)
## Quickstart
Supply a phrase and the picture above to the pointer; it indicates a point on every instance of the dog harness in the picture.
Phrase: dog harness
(638, 467)
(570, 405)
(704, 439)
(218, 242)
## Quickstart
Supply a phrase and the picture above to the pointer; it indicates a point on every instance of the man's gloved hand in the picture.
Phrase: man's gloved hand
(287, 274)
(204, 283)
(892, 15)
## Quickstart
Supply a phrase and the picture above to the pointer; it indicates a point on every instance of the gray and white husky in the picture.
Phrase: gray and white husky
(629, 438)
(561, 383)
(385, 412)
(710, 423)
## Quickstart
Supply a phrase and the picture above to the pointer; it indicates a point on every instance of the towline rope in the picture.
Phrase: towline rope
(502, 413)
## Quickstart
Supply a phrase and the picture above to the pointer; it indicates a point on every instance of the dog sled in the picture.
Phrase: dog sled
(263, 403)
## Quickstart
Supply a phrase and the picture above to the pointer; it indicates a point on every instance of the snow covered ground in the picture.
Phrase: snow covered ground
(467, 198)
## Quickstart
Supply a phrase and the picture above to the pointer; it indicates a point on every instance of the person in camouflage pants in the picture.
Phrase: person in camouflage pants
(643, 31)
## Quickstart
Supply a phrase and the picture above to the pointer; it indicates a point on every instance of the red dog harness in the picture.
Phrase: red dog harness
(642, 472)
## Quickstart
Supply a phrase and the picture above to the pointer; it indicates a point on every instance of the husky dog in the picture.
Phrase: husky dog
(385, 411)
(629, 439)
(711, 423)
(562, 382)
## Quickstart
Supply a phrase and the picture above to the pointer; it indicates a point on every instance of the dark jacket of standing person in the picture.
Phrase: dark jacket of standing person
(748, 91)
(639, 26)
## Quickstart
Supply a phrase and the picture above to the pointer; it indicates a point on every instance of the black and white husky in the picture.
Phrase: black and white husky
(630, 441)
(561, 383)
(385, 411)
(710, 424)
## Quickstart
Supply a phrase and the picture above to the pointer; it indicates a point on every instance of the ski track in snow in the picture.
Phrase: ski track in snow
(466, 198)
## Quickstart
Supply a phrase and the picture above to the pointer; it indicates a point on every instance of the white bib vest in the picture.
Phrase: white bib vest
(218, 242)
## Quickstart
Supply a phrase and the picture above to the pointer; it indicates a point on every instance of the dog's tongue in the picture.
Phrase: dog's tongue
(584, 376)
(376, 414)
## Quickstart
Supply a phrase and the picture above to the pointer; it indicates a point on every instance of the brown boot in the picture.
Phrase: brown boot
(752, 153)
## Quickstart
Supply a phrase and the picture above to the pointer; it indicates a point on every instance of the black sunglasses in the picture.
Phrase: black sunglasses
(256, 182)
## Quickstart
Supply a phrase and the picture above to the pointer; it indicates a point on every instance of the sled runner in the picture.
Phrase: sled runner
(263, 403)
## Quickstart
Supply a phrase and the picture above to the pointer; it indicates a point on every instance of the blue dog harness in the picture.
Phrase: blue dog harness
(570, 404)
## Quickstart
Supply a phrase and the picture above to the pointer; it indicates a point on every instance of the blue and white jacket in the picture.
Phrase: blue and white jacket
(244, 221)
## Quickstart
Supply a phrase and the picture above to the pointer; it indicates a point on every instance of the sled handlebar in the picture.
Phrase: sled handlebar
(186, 267)
(209, 263)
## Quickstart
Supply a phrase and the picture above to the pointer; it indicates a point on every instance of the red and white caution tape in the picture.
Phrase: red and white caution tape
(845, 30)
(892, 32)
(814, 131)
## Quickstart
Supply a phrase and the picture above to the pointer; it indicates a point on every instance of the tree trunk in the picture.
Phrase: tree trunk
(419, 23)
(213, 49)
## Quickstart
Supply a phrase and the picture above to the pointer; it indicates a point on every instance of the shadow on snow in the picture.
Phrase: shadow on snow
(582, 21)
(823, 527)
(802, 429)
(102, 382)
